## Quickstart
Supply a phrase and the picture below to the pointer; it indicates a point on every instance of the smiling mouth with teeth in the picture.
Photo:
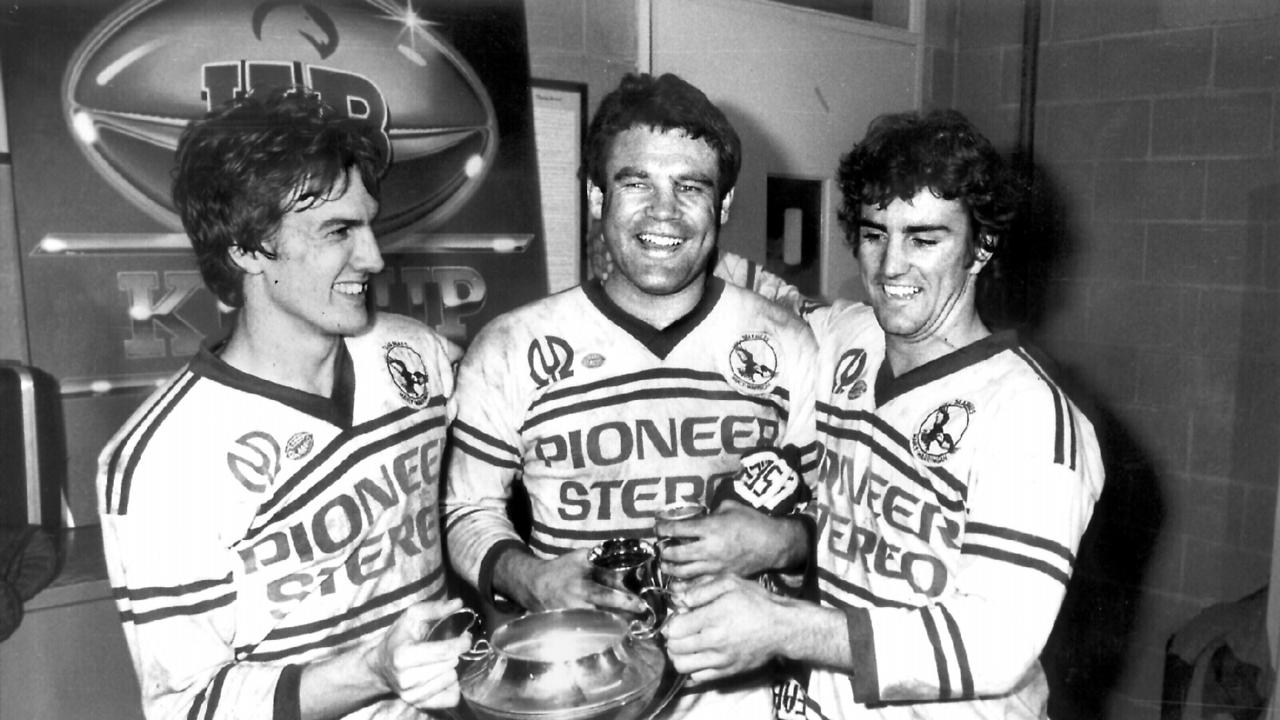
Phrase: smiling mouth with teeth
(655, 240)
(900, 292)
(349, 288)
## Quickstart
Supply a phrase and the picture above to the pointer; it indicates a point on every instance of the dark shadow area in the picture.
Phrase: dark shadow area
(1086, 651)
(33, 481)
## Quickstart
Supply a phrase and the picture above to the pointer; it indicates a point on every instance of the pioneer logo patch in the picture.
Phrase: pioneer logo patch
(254, 460)
(550, 359)
(753, 362)
(408, 372)
(939, 434)
(848, 378)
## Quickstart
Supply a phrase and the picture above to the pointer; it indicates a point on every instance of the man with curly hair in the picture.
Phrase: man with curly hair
(270, 515)
(956, 477)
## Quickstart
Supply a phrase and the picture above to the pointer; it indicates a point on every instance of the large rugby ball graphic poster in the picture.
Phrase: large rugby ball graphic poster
(96, 93)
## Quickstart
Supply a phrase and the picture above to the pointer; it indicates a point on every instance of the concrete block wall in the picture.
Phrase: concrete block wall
(1155, 137)
(587, 41)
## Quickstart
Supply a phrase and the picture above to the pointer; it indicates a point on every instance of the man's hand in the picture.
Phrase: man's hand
(734, 539)
(424, 674)
(560, 582)
(727, 625)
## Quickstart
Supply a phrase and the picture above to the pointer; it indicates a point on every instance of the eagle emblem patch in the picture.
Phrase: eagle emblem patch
(753, 363)
(408, 372)
(939, 434)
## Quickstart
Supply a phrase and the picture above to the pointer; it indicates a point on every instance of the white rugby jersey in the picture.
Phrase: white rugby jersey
(605, 419)
(249, 526)
(952, 500)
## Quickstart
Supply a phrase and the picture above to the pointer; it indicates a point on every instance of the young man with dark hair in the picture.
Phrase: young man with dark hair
(612, 399)
(270, 515)
(956, 477)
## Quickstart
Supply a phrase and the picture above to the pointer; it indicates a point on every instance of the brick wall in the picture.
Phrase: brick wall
(1158, 289)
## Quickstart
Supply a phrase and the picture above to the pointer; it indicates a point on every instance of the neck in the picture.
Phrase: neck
(906, 354)
(658, 311)
(304, 363)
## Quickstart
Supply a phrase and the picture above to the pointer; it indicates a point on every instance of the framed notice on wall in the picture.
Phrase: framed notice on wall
(560, 122)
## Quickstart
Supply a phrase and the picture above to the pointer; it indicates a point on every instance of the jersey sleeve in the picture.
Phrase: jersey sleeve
(173, 581)
(1034, 485)
(801, 431)
(750, 275)
(485, 458)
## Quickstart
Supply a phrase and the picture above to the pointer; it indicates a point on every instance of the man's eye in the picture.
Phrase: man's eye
(924, 241)
(872, 236)
(339, 232)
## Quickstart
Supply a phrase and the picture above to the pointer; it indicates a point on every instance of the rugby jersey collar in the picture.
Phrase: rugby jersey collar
(889, 387)
(337, 410)
(658, 342)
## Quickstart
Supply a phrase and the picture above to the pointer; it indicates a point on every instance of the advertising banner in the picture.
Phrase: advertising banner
(96, 93)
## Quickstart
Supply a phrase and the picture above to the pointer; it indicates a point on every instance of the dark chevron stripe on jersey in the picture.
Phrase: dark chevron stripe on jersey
(374, 603)
(160, 591)
(846, 587)
(1019, 548)
(161, 602)
(453, 515)
(810, 456)
(116, 496)
(962, 654)
(338, 446)
(329, 641)
(336, 474)
(198, 608)
(1064, 447)
(948, 647)
(322, 633)
(683, 375)
(462, 434)
(543, 537)
(939, 657)
(214, 694)
(898, 440)
(659, 393)
(904, 467)
(812, 710)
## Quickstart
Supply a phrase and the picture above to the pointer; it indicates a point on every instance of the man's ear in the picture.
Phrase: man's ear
(982, 253)
(724, 206)
(247, 260)
(595, 201)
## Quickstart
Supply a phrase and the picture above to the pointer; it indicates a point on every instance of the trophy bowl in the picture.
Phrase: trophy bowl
(569, 664)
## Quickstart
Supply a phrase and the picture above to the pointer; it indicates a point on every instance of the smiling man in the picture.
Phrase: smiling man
(956, 477)
(270, 515)
(612, 399)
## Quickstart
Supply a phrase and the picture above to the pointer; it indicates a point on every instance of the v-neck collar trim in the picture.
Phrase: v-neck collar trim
(889, 387)
(337, 410)
(659, 342)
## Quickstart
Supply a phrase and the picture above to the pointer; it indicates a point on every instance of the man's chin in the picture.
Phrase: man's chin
(354, 325)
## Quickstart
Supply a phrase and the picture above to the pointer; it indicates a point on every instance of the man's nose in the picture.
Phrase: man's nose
(662, 204)
(367, 257)
(893, 261)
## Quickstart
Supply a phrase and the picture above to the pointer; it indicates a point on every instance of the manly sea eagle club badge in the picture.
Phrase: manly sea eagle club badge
(753, 362)
(939, 434)
(408, 372)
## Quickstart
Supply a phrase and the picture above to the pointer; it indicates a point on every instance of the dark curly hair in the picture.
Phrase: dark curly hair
(904, 153)
(663, 103)
(241, 167)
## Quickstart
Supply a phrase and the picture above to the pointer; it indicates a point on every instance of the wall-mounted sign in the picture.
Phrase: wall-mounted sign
(96, 93)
